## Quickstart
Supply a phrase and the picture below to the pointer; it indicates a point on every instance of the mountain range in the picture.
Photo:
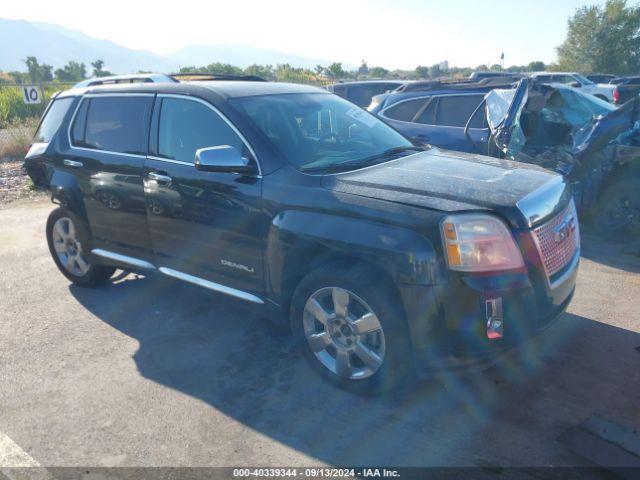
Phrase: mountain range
(57, 45)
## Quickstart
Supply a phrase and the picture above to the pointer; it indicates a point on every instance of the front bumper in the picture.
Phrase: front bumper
(458, 338)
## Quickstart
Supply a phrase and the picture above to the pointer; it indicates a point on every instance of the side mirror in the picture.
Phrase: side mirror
(575, 84)
(223, 158)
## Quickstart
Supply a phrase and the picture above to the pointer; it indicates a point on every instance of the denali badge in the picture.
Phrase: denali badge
(239, 266)
(562, 231)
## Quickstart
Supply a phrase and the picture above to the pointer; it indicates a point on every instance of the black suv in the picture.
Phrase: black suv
(381, 256)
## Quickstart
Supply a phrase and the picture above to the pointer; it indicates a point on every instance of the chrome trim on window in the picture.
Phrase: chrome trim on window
(169, 160)
(211, 285)
(222, 116)
(123, 259)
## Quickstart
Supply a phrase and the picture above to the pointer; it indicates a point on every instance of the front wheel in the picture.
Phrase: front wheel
(68, 241)
(352, 330)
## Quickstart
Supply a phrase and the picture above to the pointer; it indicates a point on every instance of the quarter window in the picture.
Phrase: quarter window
(52, 119)
(187, 125)
(114, 124)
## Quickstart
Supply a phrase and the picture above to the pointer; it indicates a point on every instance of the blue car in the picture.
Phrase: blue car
(447, 115)
(595, 145)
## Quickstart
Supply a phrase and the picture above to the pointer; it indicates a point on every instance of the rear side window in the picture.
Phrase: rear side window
(52, 120)
(404, 111)
(187, 125)
(455, 110)
(113, 124)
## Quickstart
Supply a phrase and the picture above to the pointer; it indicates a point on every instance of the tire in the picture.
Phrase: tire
(617, 212)
(390, 344)
(69, 240)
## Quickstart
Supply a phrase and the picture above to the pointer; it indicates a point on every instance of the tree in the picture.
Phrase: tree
(602, 39)
(536, 66)
(335, 70)
(378, 72)
(72, 72)
(496, 67)
(38, 73)
(263, 71)
(218, 68)
(98, 71)
(422, 72)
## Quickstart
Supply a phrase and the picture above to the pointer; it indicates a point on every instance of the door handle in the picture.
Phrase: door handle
(160, 178)
(72, 163)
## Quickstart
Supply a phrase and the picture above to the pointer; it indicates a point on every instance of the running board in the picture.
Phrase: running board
(123, 259)
(216, 287)
(185, 277)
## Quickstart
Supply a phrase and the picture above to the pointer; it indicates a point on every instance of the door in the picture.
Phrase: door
(446, 119)
(108, 139)
(208, 225)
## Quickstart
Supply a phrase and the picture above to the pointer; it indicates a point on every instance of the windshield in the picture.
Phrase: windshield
(318, 131)
(583, 80)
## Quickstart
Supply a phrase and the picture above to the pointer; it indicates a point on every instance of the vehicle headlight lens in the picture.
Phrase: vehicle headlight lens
(479, 243)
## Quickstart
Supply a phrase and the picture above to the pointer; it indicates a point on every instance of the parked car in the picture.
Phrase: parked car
(626, 89)
(437, 114)
(591, 142)
(361, 93)
(601, 77)
(380, 255)
(481, 75)
(603, 91)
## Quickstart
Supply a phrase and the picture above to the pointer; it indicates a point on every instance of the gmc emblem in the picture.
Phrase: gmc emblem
(562, 231)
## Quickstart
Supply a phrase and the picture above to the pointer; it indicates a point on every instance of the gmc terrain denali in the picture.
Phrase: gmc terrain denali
(381, 256)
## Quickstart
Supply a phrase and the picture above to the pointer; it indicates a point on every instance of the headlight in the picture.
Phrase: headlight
(479, 243)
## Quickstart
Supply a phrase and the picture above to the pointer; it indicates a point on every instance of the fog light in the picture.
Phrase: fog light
(495, 322)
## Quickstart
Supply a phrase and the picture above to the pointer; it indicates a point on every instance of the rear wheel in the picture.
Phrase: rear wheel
(68, 241)
(352, 330)
(617, 213)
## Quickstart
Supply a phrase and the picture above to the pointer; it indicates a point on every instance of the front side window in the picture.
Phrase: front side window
(317, 131)
(52, 120)
(188, 125)
(114, 124)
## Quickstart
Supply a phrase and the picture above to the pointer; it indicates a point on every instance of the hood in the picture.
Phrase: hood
(453, 181)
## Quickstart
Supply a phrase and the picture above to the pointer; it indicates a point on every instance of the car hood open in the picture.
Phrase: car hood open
(454, 181)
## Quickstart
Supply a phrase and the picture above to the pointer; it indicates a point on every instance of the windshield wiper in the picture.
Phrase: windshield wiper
(347, 165)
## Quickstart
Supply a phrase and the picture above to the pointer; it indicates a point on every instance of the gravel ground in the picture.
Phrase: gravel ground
(15, 184)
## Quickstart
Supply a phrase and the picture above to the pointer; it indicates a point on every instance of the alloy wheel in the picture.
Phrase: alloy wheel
(344, 333)
(68, 248)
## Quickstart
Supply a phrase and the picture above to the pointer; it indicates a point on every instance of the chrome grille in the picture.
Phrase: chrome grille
(558, 239)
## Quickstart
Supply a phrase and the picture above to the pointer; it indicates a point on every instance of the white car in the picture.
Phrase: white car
(603, 91)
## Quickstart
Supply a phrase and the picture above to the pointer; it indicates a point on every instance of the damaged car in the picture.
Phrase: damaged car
(595, 145)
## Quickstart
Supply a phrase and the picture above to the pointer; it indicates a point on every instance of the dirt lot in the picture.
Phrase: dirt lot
(147, 371)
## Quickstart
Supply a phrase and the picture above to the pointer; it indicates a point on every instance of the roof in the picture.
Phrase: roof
(233, 89)
(372, 82)
(224, 88)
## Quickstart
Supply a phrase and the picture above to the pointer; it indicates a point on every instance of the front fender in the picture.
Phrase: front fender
(303, 236)
(66, 191)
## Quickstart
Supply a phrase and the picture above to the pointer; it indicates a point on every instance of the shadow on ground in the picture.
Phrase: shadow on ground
(217, 350)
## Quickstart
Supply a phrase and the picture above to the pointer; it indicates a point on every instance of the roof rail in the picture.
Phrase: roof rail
(203, 77)
(132, 78)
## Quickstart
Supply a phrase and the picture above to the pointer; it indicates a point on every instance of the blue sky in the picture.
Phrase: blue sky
(394, 34)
